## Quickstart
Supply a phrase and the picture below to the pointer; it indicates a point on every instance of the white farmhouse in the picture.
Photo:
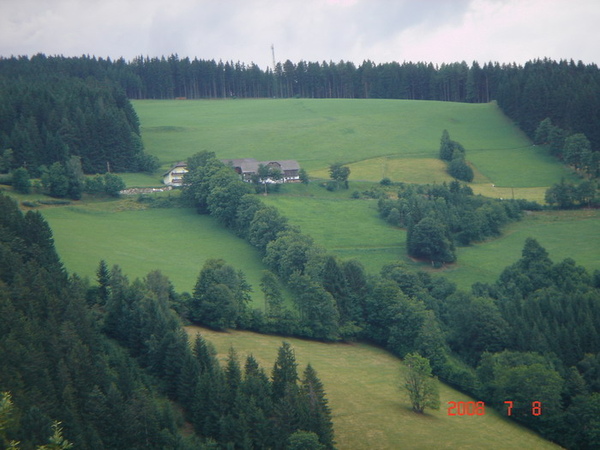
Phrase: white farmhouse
(174, 176)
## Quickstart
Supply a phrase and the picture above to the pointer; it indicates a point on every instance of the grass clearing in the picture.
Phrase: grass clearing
(177, 241)
(346, 227)
(564, 234)
(369, 411)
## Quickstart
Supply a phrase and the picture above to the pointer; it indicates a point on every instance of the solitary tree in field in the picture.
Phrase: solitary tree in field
(339, 173)
(421, 386)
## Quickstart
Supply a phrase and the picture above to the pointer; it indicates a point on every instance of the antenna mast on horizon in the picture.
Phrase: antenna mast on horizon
(273, 53)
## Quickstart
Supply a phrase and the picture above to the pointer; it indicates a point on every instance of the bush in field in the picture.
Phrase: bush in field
(113, 184)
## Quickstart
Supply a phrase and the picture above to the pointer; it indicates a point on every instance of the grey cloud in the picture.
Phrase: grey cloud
(310, 30)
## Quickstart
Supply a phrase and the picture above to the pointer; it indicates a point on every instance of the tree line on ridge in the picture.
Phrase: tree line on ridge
(567, 92)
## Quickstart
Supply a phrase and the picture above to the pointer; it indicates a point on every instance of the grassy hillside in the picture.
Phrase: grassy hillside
(397, 139)
(176, 241)
(352, 228)
(394, 138)
(369, 410)
(564, 234)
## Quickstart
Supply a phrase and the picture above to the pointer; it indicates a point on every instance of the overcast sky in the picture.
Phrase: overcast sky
(435, 31)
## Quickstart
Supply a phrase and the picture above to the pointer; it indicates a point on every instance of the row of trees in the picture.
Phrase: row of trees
(566, 195)
(66, 180)
(575, 150)
(455, 155)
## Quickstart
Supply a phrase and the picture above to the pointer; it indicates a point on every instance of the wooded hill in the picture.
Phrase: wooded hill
(567, 92)
(48, 115)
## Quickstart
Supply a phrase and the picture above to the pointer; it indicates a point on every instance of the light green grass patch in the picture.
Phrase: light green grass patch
(177, 241)
(564, 234)
(349, 228)
(135, 180)
(407, 170)
(536, 194)
(525, 167)
(369, 410)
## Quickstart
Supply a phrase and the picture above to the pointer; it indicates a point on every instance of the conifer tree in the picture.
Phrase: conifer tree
(233, 378)
(318, 417)
(285, 374)
(205, 353)
(103, 277)
(21, 181)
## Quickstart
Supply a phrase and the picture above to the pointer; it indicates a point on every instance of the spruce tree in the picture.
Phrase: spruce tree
(318, 417)
(285, 374)
(103, 277)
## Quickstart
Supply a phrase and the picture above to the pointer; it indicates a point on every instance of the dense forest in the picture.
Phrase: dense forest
(534, 335)
(112, 364)
(48, 116)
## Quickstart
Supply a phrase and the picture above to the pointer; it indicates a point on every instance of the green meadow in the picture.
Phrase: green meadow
(394, 138)
(378, 138)
(370, 411)
(177, 241)
(351, 228)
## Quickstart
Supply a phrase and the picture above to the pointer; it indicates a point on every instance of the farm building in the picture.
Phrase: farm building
(246, 167)
(174, 176)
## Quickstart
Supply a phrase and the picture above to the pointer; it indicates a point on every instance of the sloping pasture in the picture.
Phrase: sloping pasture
(177, 241)
(319, 132)
(370, 411)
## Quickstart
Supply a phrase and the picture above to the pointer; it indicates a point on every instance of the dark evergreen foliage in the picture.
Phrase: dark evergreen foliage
(56, 363)
(438, 217)
(53, 108)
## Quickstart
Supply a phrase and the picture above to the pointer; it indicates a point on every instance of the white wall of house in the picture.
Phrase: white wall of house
(174, 177)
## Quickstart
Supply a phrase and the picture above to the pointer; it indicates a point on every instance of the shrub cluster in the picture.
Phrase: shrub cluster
(439, 217)
(454, 154)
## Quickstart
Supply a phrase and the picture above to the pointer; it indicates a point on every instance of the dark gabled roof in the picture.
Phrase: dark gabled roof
(246, 165)
(286, 164)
